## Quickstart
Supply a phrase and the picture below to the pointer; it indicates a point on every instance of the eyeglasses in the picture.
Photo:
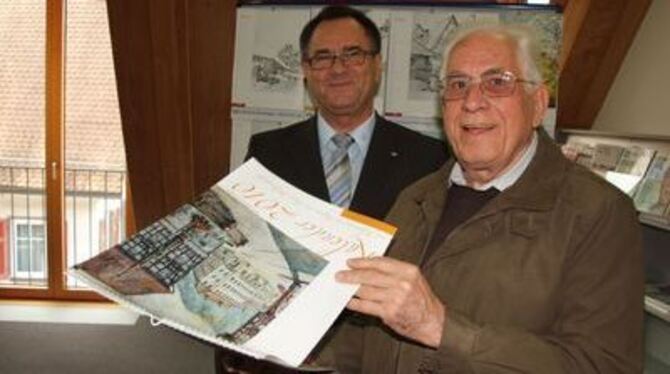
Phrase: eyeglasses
(348, 57)
(491, 84)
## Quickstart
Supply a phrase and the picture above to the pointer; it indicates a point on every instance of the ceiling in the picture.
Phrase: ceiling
(596, 37)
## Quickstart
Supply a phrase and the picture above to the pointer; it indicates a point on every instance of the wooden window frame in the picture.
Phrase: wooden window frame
(15, 222)
(56, 244)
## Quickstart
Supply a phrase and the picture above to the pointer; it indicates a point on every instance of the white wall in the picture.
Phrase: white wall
(639, 100)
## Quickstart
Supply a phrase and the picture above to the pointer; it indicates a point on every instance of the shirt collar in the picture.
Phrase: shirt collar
(504, 181)
(362, 134)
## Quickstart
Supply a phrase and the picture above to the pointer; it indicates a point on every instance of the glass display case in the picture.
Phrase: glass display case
(640, 166)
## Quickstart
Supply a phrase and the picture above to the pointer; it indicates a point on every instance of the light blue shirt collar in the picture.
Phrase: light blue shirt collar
(361, 134)
(504, 181)
(357, 151)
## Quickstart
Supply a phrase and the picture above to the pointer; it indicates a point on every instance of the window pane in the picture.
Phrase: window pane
(30, 263)
(30, 258)
(38, 264)
(22, 136)
(94, 152)
(21, 232)
(23, 256)
(38, 232)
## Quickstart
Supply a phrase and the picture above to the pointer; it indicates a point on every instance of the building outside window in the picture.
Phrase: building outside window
(28, 249)
(64, 170)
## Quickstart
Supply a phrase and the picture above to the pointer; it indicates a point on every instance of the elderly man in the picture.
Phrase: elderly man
(510, 259)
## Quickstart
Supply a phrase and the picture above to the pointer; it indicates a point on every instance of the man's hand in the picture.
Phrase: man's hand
(399, 295)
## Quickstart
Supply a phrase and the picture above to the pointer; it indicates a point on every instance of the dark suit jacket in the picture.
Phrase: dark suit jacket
(396, 157)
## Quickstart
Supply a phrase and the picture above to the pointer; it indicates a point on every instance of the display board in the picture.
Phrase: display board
(268, 87)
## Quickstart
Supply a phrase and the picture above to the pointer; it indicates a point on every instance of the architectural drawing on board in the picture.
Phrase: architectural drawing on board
(549, 31)
(267, 58)
(276, 71)
(428, 41)
(418, 39)
(249, 121)
(430, 34)
(431, 127)
(381, 18)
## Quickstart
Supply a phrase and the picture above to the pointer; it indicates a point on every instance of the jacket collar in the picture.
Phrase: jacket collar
(535, 190)
(538, 187)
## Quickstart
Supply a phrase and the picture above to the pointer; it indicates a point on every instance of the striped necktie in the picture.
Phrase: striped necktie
(338, 171)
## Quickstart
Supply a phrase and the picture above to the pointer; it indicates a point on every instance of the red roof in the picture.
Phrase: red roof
(93, 128)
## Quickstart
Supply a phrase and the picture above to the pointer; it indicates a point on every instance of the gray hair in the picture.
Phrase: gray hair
(528, 51)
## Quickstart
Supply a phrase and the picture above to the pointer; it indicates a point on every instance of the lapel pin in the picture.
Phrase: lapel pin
(394, 154)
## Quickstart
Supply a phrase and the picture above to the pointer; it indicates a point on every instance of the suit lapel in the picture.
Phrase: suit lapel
(306, 158)
(383, 160)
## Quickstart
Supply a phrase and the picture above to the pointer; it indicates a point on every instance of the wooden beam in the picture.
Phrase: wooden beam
(55, 152)
(596, 38)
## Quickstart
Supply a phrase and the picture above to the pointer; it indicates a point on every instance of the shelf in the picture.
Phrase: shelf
(606, 161)
(657, 308)
(655, 229)
(616, 135)
(655, 221)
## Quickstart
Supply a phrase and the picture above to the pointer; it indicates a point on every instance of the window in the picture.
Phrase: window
(62, 161)
(29, 250)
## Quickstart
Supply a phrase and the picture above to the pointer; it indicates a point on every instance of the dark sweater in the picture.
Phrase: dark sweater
(462, 203)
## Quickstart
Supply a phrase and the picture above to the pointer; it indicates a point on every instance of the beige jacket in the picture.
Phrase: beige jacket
(546, 278)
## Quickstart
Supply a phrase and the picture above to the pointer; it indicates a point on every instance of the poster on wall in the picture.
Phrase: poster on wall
(268, 73)
(267, 58)
(431, 127)
(549, 33)
(381, 18)
(247, 122)
(418, 38)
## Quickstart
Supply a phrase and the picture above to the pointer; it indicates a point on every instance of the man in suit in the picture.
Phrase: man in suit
(341, 63)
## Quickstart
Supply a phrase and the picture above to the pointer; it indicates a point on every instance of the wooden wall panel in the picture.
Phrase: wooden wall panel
(128, 22)
(212, 40)
(171, 128)
(173, 84)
